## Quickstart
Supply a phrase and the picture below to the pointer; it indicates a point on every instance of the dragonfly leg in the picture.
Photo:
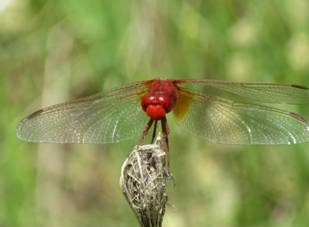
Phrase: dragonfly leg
(165, 131)
(146, 129)
(154, 131)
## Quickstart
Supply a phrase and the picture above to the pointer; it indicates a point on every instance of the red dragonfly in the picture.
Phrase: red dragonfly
(219, 111)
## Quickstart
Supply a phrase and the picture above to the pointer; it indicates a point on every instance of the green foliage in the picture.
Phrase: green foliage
(52, 51)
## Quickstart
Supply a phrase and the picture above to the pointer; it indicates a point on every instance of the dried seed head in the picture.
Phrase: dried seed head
(143, 181)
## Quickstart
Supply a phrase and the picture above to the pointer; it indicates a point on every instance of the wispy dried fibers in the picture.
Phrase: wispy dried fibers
(143, 180)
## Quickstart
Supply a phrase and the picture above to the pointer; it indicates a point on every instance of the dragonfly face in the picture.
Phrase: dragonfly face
(160, 99)
(218, 111)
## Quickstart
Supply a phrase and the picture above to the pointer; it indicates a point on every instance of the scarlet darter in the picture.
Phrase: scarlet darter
(218, 111)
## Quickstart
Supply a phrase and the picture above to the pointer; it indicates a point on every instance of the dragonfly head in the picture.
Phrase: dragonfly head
(156, 107)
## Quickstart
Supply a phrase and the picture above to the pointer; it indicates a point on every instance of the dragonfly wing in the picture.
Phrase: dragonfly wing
(228, 122)
(249, 92)
(114, 116)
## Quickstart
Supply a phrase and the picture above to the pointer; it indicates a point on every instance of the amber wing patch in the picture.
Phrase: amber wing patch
(184, 99)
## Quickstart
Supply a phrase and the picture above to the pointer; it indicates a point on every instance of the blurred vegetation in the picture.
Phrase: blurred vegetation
(52, 51)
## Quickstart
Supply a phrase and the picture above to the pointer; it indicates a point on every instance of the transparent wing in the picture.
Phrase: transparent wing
(223, 121)
(249, 92)
(108, 118)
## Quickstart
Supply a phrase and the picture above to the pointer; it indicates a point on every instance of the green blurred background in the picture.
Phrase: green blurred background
(53, 51)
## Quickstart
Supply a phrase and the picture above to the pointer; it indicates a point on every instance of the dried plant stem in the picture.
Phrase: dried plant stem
(143, 181)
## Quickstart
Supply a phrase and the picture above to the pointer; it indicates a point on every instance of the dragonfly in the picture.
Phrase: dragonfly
(219, 111)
